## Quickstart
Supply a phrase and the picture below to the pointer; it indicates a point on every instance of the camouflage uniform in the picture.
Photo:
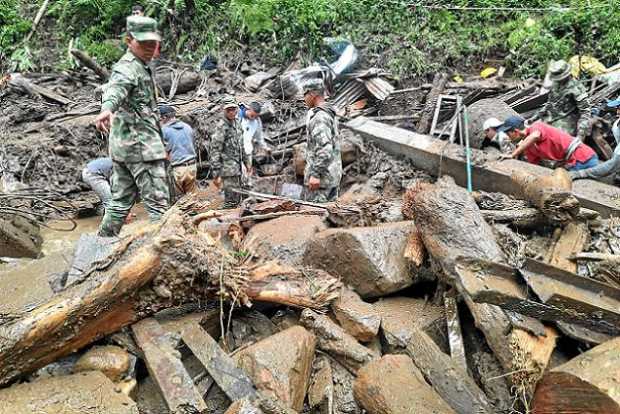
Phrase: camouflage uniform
(568, 108)
(227, 156)
(323, 157)
(136, 145)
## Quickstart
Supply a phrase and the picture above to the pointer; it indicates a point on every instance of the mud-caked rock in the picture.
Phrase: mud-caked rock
(280, 365)
(357, 317)
(113, 361)
(284, 239)
(19, 237)
(393, 385)
(369, 259)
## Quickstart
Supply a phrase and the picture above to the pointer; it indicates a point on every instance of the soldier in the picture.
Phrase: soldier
(129, 112)
(323, 165)
(568, 105)
(227, 153)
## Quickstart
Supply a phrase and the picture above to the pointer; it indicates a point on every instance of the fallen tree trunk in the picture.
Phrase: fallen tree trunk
(585, 384)
(164, 265)
(452, 226)
(87, 61)
(552, 194)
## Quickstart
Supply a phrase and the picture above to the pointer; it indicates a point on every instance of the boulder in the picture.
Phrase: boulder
(85, 392)
(400, 316)
(480, 111)
(280, 365)
(369, 259)
(393, 385)
(283, 239)
(19, 237)
(113, 361)
(357, 317)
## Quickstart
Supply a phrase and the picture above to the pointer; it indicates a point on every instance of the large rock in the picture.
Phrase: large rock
(369, 259)
(280, 365)
(112, 361)
(480, 111)
(357, 317)
(19, 238)
(284, 239)
(86, 392)
(400, 316)
(393, 385)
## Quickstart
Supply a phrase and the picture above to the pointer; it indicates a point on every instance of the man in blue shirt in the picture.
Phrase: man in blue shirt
(179, 141)
(97, 175)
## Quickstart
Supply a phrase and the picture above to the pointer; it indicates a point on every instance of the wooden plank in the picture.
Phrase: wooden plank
(235, 383)
(455, 337)
(565, 300)
(448, 378)
(434, 156)
(572, 240)
(171, 377)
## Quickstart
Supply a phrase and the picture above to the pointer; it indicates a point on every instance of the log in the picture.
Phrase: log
(90, 63)
(439, 84)
(571, 241)
(452, 226)
(188, 81)
(552, 194)
(166, 368)
(526, 218)
(162, 265)
(332, 339)
(37, 20)
(22, 84)
(587, 383)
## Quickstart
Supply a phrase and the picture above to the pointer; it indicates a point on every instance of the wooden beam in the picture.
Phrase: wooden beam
(235, 383)
(455, 336)
(167, 369)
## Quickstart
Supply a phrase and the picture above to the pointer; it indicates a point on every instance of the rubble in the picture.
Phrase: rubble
(370, 259)
(357, 317)
(112, 360)
(19, 237)
(393, 385)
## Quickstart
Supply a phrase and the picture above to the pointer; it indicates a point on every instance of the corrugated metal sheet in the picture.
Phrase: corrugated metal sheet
(358, 87)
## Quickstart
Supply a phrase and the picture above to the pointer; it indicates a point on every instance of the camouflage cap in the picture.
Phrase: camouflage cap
(142, 28)
(229, 102)
(313, 86)
(559, 70)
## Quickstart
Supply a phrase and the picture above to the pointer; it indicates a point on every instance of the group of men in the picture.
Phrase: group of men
(555, 136)
(147, 144)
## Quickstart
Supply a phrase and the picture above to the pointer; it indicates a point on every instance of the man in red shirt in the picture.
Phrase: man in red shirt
(541, 141)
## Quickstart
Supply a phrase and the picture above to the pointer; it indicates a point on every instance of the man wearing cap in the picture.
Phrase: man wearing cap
(227, 153)
(568, 106)
(542, 142)
(179, 141)
(494, 138)
(323, 164)
(612, 165)
(129, 113)
(253, 140)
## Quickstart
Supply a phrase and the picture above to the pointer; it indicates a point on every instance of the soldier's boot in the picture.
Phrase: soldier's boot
(231, 198)
(109, 227)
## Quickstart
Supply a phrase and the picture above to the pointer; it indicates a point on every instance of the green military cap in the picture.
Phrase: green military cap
(229, 102)
(142, 28)
(559, 70)
(314, 85)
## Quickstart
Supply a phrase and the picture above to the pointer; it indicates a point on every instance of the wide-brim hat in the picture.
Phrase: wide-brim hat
(143, 28)
(314, 85)
(229, 102)
(559, 70)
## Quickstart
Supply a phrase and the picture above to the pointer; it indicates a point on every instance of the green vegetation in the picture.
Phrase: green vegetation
(408, 40)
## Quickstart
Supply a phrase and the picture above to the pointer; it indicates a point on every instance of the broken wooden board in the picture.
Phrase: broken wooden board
(571, 241)
(564, 296)
(235, 383)
(429, 154)
(455, 336)
(449, 380)
(166, 368)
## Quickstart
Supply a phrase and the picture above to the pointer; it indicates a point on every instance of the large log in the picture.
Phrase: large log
(552, 194)
(452, 226)
(588, 384)
(167, 264)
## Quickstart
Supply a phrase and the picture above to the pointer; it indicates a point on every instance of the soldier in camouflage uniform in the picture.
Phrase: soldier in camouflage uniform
(568, 105)
(227, 153)
(129, 112)
(324, 164)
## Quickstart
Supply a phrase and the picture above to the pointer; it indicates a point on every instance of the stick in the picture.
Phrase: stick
(37, 19)
(87, 61)
(274, 215)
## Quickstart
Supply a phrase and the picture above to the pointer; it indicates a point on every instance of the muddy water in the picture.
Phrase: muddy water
(24, 282)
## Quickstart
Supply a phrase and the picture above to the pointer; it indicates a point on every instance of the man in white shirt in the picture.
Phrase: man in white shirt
(253, 140)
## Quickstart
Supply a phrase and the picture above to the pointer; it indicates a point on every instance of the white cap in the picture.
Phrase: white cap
(491, 123)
